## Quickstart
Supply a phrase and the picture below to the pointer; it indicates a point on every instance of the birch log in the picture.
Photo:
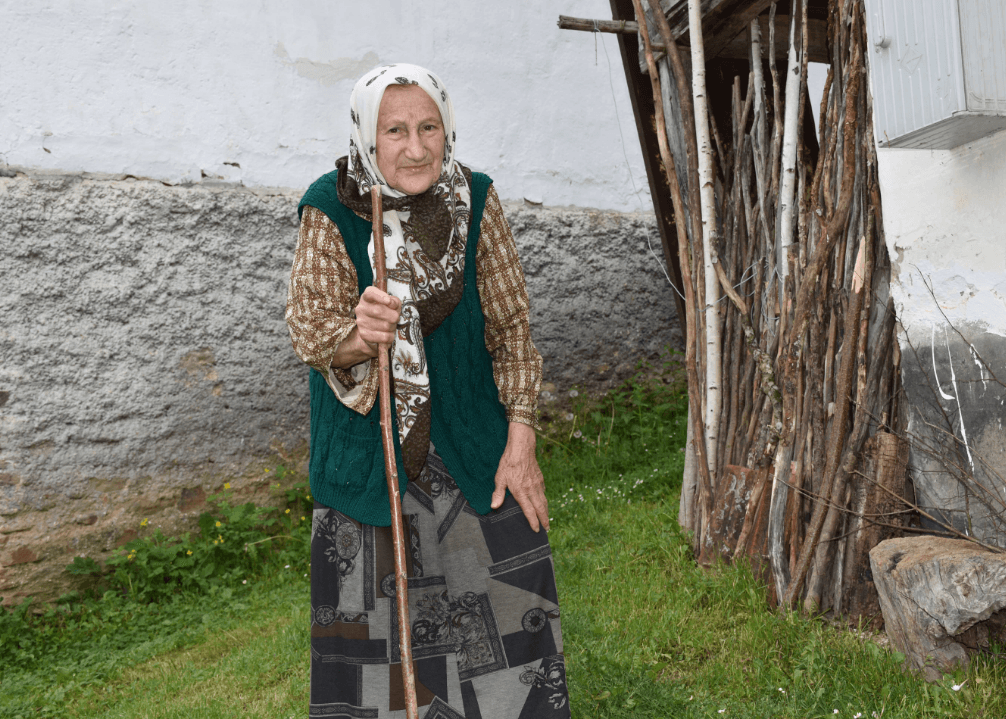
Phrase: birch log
(790, 139)
(709, 236)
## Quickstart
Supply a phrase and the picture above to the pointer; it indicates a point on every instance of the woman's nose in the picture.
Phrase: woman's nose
(414, 149)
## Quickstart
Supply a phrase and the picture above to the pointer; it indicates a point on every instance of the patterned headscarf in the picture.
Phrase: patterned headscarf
(425, 237)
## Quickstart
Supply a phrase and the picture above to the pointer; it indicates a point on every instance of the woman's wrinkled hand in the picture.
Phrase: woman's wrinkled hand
(519, 472)
(377, 316)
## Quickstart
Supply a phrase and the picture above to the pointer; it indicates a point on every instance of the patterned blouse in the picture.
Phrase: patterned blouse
(323, 294)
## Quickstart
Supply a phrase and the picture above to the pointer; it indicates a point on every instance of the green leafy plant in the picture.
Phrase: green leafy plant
(234, 540)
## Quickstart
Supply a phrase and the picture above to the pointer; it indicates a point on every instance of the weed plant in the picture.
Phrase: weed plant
(627, 444)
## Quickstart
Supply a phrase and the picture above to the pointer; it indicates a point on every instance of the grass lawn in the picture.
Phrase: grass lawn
(647, 633)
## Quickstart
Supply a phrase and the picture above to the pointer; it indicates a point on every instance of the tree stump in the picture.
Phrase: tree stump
(940, 598)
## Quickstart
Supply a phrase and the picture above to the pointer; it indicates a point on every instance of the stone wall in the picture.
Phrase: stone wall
(144, 358)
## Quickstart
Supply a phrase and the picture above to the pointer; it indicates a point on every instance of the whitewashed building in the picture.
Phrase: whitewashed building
(938, 76)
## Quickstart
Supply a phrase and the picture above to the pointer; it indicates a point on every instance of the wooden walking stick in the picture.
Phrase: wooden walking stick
(391, 472)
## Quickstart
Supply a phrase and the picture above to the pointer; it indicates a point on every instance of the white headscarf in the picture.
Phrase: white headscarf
(425, 238)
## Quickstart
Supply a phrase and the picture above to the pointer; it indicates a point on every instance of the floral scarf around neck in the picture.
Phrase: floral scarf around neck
(425, 238)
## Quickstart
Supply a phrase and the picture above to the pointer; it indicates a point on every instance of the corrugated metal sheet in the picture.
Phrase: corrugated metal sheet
(918, 79)
(983, 37)
(963, 127)
(934, 60)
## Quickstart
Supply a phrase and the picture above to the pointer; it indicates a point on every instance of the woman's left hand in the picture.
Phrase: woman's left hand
(519, 472)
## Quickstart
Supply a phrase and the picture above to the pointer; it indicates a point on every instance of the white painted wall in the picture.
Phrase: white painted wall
(175, 90)
(945, 220)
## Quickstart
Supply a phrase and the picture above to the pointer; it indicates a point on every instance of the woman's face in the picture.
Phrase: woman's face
(410, 139)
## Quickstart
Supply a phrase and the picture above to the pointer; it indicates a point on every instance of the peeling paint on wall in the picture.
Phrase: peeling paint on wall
(328, 73)
(944, 222)
(956, 388)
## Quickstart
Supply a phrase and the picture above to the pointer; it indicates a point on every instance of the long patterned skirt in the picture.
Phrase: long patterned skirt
(486, 639)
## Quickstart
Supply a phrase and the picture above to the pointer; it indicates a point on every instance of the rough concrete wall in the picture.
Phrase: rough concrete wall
(144, 357)
(599, 298)
(143, 354)
(944, 219)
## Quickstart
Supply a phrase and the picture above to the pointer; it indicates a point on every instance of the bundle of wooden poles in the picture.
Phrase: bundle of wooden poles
(793, 367)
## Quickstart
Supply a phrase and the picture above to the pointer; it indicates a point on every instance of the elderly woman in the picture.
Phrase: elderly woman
(482, 597)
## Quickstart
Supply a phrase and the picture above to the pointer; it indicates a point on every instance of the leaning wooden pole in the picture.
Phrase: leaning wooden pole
(391, 472)
(684, 252)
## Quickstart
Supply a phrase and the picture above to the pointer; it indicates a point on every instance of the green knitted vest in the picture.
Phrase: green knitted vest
(468, 421)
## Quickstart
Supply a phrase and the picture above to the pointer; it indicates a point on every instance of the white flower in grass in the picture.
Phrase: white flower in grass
(958, 687)
(835, 712)
(578, 434)
(857, 715)
(569, 416)
(574, 393)
(721, 711)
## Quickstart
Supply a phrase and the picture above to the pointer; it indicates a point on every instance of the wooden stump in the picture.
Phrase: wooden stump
(940, 598)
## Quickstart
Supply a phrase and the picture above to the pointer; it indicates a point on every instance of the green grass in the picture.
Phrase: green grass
(131, 661)
(647, 633)
(251, 661)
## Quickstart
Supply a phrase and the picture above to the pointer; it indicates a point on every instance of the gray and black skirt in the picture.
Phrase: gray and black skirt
(486, 638)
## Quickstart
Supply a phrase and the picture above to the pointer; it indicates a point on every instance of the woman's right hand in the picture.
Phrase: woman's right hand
(377, 315)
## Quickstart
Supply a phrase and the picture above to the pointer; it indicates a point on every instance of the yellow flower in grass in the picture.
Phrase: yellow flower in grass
(288, 511)
(220, 538)
(303, 518)
(219, 524)
(144, 522)
(189, 552)
(227, 485)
